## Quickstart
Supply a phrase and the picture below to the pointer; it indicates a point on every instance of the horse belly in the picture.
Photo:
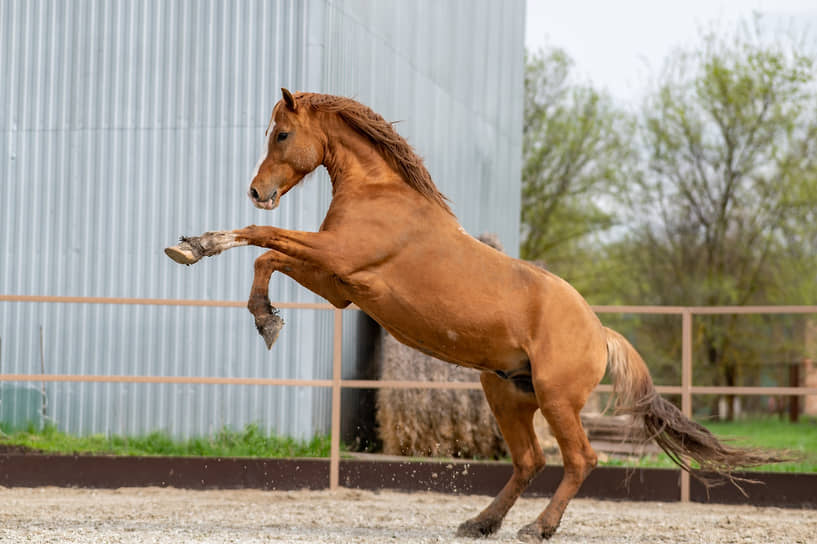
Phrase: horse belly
(482, 339)
(466, 307)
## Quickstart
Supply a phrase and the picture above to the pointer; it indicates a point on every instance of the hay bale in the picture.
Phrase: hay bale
(438, 423)
(435, 423)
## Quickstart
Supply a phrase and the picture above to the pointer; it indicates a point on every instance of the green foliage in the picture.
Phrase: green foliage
(729, 175)
(711, 185)
(574, 150)
(725, 200)
(251, 442)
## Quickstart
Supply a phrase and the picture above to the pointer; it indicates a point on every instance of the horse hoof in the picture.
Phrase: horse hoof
(476, 528)
(533, 534)
(184, 253)
(269, 327)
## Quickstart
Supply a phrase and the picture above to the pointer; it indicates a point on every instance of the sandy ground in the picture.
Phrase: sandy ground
(346, 516)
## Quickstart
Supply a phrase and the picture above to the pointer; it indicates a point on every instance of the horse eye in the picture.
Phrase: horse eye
(282, 136)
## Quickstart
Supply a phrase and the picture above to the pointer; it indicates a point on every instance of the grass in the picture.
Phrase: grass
(250, 442)
(797, 440)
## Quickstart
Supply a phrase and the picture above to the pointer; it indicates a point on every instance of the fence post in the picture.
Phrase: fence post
(794, 400)
(337, 374)
(686, 384)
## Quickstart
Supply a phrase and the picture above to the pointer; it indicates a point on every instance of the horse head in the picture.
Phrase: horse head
(293, 148)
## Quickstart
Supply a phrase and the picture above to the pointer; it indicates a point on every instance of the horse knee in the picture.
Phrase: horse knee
(591, 461)
(580, 465)
(264, 265)
(529, 467)
(538, 462)
(526, 473)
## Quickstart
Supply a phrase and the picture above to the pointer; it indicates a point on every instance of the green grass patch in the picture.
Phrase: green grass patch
(798, 439)
(249, 442)
(795, 440)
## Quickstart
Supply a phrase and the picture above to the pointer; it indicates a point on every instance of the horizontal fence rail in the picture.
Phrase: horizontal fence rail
(337, 384)
(375, 384)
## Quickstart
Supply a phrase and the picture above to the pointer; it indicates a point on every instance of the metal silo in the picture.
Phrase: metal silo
(124, 124)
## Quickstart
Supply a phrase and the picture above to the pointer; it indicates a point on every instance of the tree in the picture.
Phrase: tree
(725, 201)
(574, 145)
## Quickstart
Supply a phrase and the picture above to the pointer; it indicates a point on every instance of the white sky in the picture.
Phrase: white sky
(617, 44)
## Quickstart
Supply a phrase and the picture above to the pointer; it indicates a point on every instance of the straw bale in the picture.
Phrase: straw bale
(435, 423)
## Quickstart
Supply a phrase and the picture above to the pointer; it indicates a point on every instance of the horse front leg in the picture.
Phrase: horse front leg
(267, 319)
(315, 248)
(191, 249)
(307, 257)
(318, 249)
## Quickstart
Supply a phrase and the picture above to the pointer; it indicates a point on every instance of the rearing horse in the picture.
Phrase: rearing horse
(390, 244)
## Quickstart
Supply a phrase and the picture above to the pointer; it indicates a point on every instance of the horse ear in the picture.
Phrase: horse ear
(289, 99)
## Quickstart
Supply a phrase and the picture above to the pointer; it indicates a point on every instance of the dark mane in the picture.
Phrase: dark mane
(391, 146)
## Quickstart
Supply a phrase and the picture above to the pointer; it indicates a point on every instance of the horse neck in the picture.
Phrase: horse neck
(352, 160)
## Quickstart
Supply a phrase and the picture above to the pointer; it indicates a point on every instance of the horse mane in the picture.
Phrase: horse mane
(391, 146)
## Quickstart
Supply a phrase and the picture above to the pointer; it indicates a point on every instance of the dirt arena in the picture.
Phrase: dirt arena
(157, 515)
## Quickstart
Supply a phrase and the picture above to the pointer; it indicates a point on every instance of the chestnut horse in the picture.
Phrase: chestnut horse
(391, 245)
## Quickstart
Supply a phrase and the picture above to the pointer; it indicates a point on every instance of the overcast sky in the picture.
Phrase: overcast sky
(617, 44)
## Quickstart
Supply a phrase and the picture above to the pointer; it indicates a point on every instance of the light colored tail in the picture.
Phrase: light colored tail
(682, 439)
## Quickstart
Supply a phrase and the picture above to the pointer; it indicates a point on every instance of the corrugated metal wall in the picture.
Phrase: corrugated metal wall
(451, 72)
(125, 124)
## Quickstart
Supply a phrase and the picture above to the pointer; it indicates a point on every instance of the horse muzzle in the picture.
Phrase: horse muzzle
(269, 203)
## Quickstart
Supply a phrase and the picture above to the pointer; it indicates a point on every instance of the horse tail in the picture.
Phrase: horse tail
(682, 439)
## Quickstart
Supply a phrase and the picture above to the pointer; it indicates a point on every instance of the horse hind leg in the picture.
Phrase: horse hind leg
(513, 410)
(578, 456)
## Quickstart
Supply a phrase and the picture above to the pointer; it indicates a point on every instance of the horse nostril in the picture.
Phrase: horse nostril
(254, 194)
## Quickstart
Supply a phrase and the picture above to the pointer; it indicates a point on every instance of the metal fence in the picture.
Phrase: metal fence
(336, 384)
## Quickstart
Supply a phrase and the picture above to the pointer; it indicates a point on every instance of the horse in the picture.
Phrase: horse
(391, 245)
